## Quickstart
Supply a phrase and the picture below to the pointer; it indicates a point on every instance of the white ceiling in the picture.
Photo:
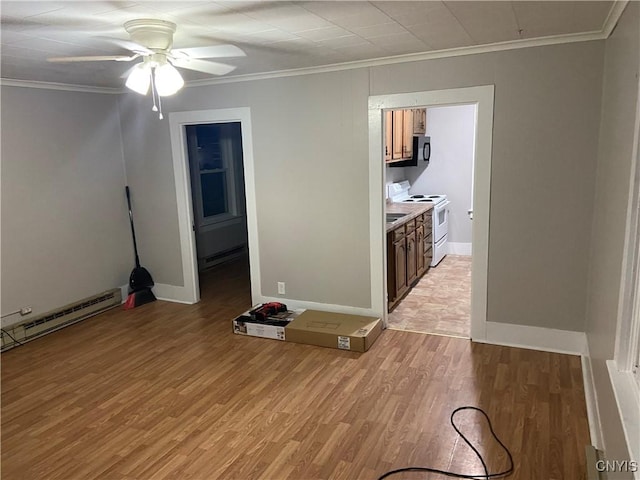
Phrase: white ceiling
(276, 35)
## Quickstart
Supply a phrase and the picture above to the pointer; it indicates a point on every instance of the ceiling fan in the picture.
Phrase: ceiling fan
(152, 41)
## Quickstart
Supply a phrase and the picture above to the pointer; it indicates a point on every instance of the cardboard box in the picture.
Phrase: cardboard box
(335, 330)
(273, 327)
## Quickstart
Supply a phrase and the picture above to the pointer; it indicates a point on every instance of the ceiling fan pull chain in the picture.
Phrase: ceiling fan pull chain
(160, 108)
(153, 92)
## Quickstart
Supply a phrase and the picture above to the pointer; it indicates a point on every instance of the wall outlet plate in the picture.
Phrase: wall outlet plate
(281, 288)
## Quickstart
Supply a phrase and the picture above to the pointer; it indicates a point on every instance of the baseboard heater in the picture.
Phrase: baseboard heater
(221, 257)
(60, 318)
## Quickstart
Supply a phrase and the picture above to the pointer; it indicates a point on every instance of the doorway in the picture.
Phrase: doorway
(214, 179)
(483, 98)
(214, 152)
(437, 297)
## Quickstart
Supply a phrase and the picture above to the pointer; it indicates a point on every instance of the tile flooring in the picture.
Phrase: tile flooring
(440, 302)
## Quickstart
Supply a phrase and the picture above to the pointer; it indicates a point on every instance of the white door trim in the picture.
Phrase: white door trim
(482, 97)
(623, 370)
(177, 122)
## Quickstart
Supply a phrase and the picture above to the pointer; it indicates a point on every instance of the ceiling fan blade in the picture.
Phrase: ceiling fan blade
(93, 58)
(127, 44)
(205, 66)
(213, 51)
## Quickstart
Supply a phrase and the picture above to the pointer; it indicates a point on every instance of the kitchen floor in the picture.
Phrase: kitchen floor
(440, 303)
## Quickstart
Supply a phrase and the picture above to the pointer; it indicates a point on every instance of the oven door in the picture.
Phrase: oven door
(440, 220)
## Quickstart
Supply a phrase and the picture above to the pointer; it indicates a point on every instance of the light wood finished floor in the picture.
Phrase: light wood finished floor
(168, 391)
(440, 303)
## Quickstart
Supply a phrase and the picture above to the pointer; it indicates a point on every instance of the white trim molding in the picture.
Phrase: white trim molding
(481, 96)
(536, 338)
(177, 121)
(172, 293)
(626, 394)
(591, 401)
(324, 307)
(9, 82)
(457, 248)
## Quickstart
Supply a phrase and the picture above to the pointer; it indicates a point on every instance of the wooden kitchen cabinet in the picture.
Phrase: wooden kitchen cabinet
(409, 254)
(397, 284)
(420, 246)
(419, 121)
(398, 135)
(412, 259)
(407, 133)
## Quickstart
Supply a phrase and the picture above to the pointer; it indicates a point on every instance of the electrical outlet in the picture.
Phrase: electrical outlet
(25, 311)
(281, 289)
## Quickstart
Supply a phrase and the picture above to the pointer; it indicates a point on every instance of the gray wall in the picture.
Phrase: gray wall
(619, 96)
(64, 220)
(450, 171)
(311, 165)
(310, 149)
(547, 109)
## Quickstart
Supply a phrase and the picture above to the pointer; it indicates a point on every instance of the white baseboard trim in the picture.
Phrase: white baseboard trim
(627, 397)
(591, 400)
(172, 293)
(168, 293)
(324, 307)
(535, 338)
(456, 248)
(124, 290)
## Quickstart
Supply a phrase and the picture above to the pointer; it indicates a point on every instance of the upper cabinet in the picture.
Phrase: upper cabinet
(419, 121)
(398, 147)
(399, 128)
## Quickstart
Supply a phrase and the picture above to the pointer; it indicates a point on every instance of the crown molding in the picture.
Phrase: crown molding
(10, 82)
(609, 24)
(410, 57)
(614, 15)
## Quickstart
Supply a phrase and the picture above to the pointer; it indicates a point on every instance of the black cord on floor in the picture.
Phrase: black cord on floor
(486, 476)
(10, 336)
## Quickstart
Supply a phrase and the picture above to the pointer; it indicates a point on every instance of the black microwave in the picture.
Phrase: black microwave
(421, 153)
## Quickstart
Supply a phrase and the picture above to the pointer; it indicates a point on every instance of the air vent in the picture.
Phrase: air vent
(60, 318)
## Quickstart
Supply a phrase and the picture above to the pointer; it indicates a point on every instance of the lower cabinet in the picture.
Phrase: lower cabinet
(412, 258)
(400, 270)
(409, 253)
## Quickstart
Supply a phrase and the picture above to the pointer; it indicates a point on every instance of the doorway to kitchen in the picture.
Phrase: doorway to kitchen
(436, 184)
(213, 169)
(482, 98)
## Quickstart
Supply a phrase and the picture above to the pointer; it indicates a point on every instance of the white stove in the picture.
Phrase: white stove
(399, 193)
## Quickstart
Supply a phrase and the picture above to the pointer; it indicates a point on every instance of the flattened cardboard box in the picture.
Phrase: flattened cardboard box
(335, 330)
(273, 327)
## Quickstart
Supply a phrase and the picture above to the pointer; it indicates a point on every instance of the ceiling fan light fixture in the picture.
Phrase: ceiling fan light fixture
(167, 80)
(139, 79)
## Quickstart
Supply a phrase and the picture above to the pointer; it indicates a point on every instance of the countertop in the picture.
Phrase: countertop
(411, 209)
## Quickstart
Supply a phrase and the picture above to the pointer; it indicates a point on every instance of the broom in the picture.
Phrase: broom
(140, 281)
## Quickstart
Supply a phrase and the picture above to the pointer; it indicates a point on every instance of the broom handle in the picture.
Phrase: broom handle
(133, 230)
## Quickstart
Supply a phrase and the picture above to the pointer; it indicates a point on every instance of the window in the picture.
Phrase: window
(214, 151)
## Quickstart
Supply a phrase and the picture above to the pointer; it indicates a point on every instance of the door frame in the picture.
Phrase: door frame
(177, 123)
(482, 97)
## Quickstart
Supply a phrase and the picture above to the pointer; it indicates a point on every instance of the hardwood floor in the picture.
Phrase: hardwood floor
(168, 391)
(440, 303)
